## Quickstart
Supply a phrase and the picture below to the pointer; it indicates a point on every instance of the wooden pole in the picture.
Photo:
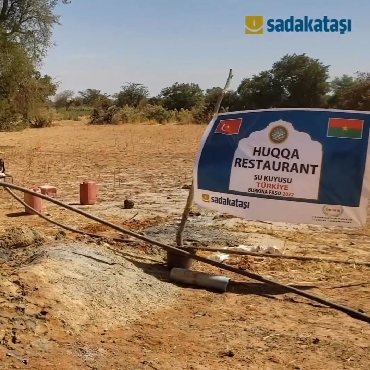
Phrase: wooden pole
(189, 201)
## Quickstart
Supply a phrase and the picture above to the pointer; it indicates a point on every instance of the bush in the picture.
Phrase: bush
(43, 118)
(11, 122)
(184, 117)
(132, 115)
(201, 116)
(159, 114)
(73, 113)
(105, 114)
(8, 118)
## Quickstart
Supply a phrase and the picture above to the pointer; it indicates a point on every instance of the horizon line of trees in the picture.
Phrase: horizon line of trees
(295, 81)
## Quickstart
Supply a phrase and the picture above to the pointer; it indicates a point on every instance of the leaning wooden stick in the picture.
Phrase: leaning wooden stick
(189, 201)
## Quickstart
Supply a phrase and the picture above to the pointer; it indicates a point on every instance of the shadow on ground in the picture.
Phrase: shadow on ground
(161, 272)
(18, 214)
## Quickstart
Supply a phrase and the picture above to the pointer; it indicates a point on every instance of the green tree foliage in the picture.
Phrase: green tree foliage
(300, 81)
(23, 91)
(132, 95)
(61, 99)
(91, 97)
(258, 92)
(29, 23)
(182, 96)
(356, 94)
(292, 82)
(295, 81)
(25, 36)
(230, 102)
(155, 100)
(337, 86)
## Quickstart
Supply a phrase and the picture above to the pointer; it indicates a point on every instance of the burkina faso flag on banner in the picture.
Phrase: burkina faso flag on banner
(345, 128)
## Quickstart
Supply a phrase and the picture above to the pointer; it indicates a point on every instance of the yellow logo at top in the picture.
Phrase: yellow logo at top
(254, 24)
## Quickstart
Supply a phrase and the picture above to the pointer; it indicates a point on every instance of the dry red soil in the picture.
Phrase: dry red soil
(61, 309)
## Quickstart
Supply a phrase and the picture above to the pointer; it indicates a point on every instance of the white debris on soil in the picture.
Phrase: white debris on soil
(96, 285)
(219, 257)
(272, 249)
(222, 257)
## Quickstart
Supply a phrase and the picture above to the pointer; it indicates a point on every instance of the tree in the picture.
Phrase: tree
(90, 97)
(295, 81)
(258, 92)
(182, 96)
(29, 23)
(338, 85)
(132, 94)
(230, 102)
(356, 95)
(25, 36)
(61, 99)
(23, 91)
(300, 81)
(155, 100)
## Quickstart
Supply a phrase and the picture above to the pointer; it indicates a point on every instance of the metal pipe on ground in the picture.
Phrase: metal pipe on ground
(349, 311)
(66, 227)
(186, 261)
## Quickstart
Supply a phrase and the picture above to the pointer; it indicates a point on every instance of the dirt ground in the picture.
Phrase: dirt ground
(69, 301)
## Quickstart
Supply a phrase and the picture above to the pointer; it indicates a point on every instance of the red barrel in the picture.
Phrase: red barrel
(88, 193)
(33, 201)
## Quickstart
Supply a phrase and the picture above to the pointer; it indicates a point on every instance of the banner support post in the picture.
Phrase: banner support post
(190, 199)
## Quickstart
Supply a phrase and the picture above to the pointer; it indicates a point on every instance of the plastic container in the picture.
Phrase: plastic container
(88, 193)
(33, 201)
(49, 190)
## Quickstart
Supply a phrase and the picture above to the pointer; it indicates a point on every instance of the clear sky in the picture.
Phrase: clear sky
(103, 44)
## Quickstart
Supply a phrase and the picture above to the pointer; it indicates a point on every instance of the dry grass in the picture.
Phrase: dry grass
(149, 157)
(71, 150)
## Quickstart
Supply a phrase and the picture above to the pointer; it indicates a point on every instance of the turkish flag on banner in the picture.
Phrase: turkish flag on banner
(229, 126)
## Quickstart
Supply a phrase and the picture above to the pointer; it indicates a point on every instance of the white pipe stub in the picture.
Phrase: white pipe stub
(201, 279)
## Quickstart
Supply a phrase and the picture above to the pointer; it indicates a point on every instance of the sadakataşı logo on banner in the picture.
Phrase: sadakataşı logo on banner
(286, 165)
(255, 25)
(226, 201)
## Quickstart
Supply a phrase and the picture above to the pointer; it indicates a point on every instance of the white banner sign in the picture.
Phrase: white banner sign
(286, 165)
